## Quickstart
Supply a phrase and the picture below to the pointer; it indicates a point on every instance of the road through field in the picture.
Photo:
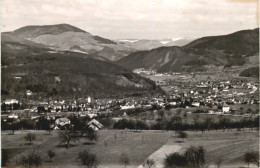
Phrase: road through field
(161, 153)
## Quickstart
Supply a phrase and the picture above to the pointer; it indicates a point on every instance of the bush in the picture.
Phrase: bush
(4, 157)
(30, 137)
(175, 160)
(182, 135)
(195, 157)
(88, 159)
(251, 157)
(32, 158)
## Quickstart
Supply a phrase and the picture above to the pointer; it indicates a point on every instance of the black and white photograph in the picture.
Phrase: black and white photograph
(129, 83)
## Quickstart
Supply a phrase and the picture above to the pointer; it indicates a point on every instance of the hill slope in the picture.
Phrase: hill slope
(65, 37)
(64, 74)
(225, 50)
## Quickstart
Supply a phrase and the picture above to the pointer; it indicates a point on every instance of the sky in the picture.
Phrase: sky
(135, 19)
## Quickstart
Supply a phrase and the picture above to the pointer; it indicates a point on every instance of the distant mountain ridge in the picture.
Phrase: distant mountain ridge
(227, 50)
(35, 31)
(65, 37)
(143, 44)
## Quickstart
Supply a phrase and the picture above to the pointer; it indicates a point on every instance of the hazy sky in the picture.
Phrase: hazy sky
(141, 19)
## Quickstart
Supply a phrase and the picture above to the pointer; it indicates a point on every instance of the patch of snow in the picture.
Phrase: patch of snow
(175, 39)
(164, 42)
(131, 41)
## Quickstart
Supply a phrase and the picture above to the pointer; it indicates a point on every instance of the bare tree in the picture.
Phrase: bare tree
(51, 154)
(219, 162)
(105, 143)
(124, 159)
(115, 137)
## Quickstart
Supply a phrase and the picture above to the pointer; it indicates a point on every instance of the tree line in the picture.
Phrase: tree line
(176, 124)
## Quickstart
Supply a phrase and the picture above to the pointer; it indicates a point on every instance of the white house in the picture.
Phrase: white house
(196, 104)
(173, 103)
(225, 108)
(13, 116)
(29, 93)
(62, 121)
(91, 115)
(89, 99)
(127, 107)
(11, 101)
(95, 125)
(124, 115)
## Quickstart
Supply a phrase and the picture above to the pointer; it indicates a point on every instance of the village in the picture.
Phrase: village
(237, 98)
(195, 111)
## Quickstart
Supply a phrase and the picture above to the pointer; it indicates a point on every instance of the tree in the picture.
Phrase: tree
(219, 162)
(30, 137)
(175, 160)
(195, 156)
(32, 158)
(161, 114)
(142, 139)
(92, 135)
(225, 123)
(14, 125)
(3, 107)
(236, 134)
(208, 123)
(51, 154)
(251, 157)
(66, 137)
(182, 134)
(149, 163)
(195, 119)
(115, 137)
(124, 159)
(105, 143)
(88, 159)
(4, 157)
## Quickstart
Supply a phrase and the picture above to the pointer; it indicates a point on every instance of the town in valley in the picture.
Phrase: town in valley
(133, 84)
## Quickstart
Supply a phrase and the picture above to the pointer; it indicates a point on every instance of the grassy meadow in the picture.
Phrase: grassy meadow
(229, 145)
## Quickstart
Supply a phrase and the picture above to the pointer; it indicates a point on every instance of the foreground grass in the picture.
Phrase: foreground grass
(138, 146)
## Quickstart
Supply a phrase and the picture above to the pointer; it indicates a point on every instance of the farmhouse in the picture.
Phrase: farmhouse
(225, 108)
(195, 104)
(94, 124)
(13, 116)
(62, 122)
(11, 101)
(29, 93)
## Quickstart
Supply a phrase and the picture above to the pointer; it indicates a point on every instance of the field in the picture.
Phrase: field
(229, 145)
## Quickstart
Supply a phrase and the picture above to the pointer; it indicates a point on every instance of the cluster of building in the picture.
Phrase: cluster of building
(217, 96)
